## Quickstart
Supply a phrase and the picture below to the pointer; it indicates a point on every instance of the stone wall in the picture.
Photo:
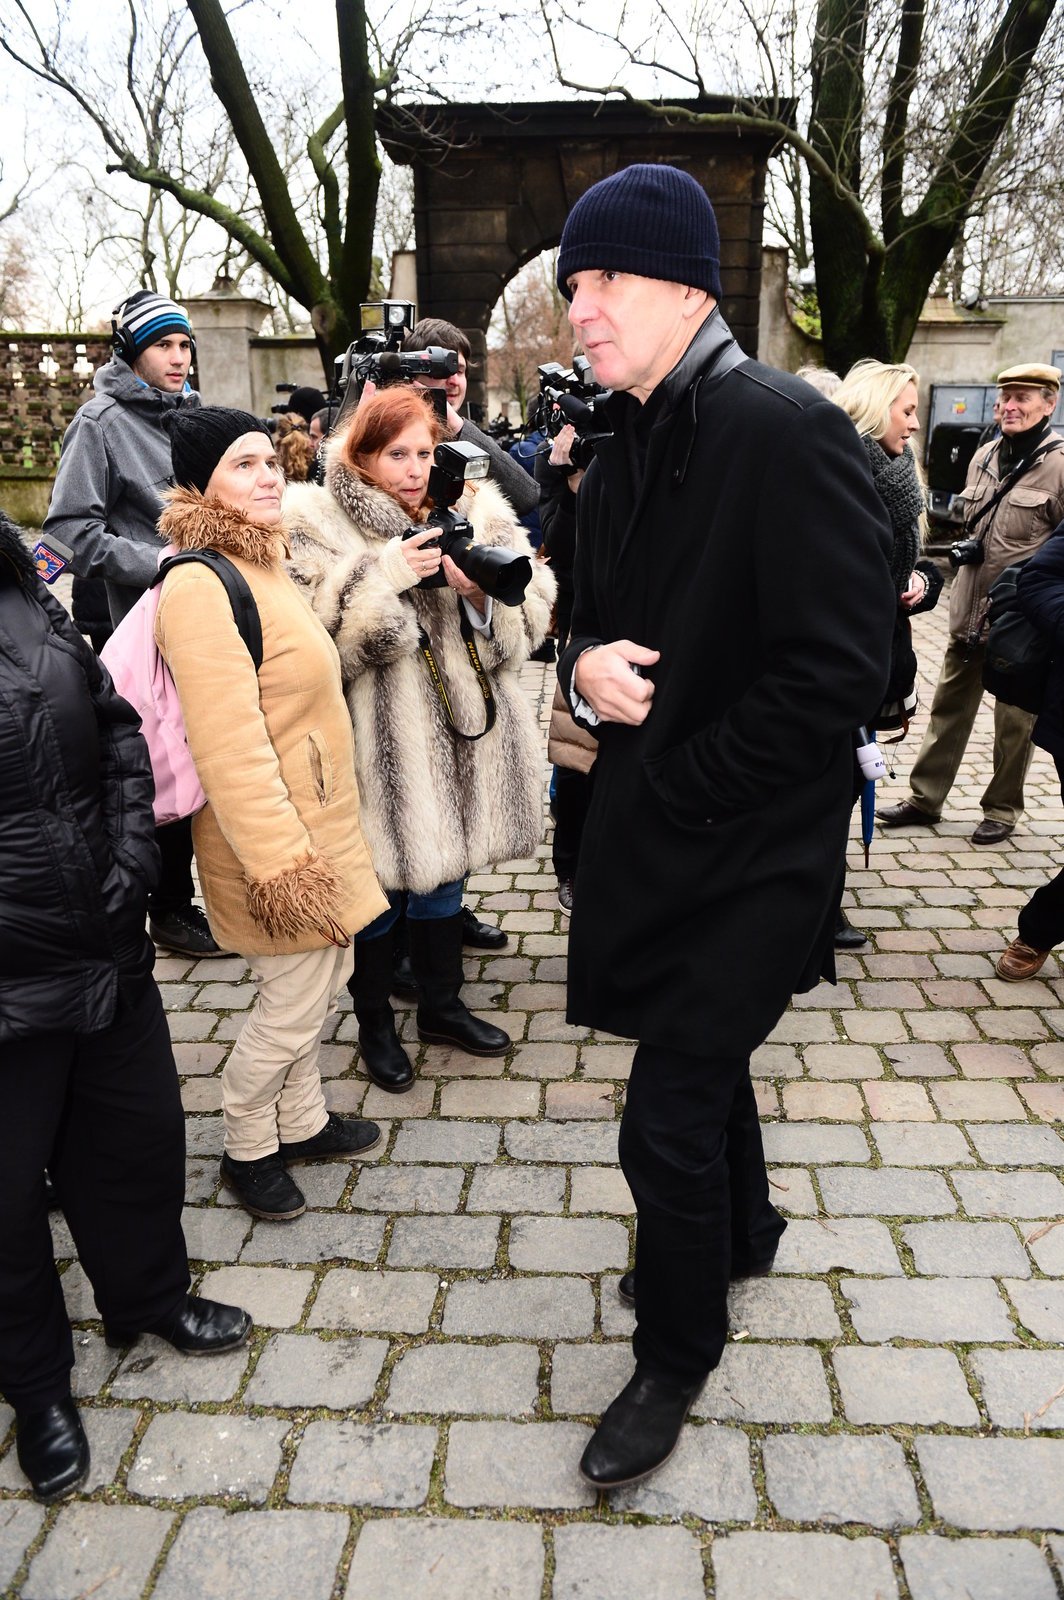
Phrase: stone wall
(44, 377)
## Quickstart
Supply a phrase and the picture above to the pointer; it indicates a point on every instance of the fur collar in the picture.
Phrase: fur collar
(192, 522)
(16, 564)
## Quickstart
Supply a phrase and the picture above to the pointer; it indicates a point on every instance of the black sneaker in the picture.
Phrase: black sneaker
(263, 1187)
(337, 1139)
(184, 931)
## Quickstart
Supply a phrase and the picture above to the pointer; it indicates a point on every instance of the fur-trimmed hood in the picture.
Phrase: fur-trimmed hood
(191, 521)
(16, 564)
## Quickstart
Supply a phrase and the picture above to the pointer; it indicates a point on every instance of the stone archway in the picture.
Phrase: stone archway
(493, 185)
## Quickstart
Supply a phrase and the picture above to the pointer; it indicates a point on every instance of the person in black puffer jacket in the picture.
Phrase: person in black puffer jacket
(87, 1071)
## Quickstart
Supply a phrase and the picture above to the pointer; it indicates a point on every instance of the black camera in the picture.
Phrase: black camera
(377, 356)
(967, 553)
(504, 574)
(570, 394)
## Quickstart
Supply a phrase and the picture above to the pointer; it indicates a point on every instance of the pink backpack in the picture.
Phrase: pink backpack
(142, 677)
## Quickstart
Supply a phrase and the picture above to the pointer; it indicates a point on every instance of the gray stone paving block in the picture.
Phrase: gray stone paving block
(1047, 1248)
(758, 1383)
(974, 1569)
(883, 1385)
(1018, 1384)
(300, 1369)
(153, 1370)
(1010, 1194)
(203, 1136)
(182, 1455)
(20, 1523)
(885, 1192)
(444, 1242)
(576, 1143)
(274, 1296)
(93, 1364)
(513, 1189)
(567, 1244)
(921, 1144)
(599, 1563)
(708, 1477)
(840, 1480)
(600, 1189)
(517, 1464)
(998, 1484)
(447, 1141)
(436, 1558)
(217, 1555)
(802, 1566)
(353, 1464)
(316, 1236)
(932, 1309)
(389, 1302)
(99, 1550)
(586, 1377)
(919, 1061)
(1040, 1306)
(201, 1181)
(405, 1189)
(214, 1235)
(466, 1379)
(783, 1308)
(77, 1293)
(521, 1308)
(856, 1244)
(966, 1249)
(804, 1142)
(322, 1184)
(1010, 1144)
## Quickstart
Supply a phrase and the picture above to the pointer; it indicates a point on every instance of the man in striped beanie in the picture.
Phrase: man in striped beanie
(105, 506)
(732, 616)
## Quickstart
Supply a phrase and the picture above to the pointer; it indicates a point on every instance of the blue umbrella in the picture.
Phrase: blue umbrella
(873, 767)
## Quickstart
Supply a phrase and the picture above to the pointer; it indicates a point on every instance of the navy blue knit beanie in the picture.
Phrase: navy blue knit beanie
(655, 221)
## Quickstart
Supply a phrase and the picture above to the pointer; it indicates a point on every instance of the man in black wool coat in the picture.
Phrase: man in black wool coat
(731, 631)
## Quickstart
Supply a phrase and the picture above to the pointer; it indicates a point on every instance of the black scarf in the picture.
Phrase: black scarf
(897, 485)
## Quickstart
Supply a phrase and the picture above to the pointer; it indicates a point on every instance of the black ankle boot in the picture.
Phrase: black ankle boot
(53, 1451)
(639, 1430)
(847, 937)
(383, 1058)
(442, 1017)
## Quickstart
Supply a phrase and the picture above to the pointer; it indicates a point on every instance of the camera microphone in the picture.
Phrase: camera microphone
(869, 756)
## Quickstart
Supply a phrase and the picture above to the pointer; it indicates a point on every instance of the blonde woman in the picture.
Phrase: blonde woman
(882, 400)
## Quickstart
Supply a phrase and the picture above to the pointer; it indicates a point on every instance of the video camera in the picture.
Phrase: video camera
(504, 574)
(377, 356)
(570, 394)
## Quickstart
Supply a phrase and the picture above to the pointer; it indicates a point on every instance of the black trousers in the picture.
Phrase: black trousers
(102, 1112)
(572, 797)
(1041, 922)
(175, 887)
(691, 1150)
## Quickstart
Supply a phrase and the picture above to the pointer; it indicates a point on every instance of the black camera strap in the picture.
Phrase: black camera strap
(1010, 482)
(469, 639)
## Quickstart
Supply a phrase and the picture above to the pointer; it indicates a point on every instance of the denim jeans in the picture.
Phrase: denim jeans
(443, 901)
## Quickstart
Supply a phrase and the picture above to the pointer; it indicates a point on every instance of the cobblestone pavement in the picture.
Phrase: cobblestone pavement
(434, 1338)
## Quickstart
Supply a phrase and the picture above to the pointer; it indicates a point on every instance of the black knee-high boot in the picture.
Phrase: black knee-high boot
(383, 1057)
(442, 1017)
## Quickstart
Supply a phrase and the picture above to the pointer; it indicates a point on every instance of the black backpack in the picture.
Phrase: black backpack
(245, 611)
(1018, 657)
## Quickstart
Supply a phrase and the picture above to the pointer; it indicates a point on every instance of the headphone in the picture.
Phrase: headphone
(122, 341)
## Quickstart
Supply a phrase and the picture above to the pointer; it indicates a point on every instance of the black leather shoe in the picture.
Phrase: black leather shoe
(53, 1451)
(263, 1187)
(199, 1328)
(991, 831)
(847, 937)
(477, 935)
(185, 931)
(338, 1139)
(905, 815)
(759, 1267)
(639, 1430)
(383, 1058)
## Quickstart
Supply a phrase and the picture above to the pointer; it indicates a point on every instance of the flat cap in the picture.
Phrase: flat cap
(1034, 373)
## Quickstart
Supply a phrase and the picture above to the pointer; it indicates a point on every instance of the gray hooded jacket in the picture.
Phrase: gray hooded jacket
(107, 496)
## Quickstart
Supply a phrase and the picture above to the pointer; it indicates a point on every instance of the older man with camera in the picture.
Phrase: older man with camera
(1014, 498)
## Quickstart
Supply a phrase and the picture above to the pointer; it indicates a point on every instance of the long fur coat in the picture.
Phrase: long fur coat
(434, 806)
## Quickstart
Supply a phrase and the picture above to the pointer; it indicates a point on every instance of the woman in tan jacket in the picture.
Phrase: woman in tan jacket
(285, 874)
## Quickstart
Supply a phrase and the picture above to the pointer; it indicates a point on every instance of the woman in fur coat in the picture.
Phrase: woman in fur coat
(437, 802)
(285, 872)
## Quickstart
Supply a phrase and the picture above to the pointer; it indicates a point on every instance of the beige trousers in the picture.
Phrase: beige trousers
(958, 694)
(271, 1086)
